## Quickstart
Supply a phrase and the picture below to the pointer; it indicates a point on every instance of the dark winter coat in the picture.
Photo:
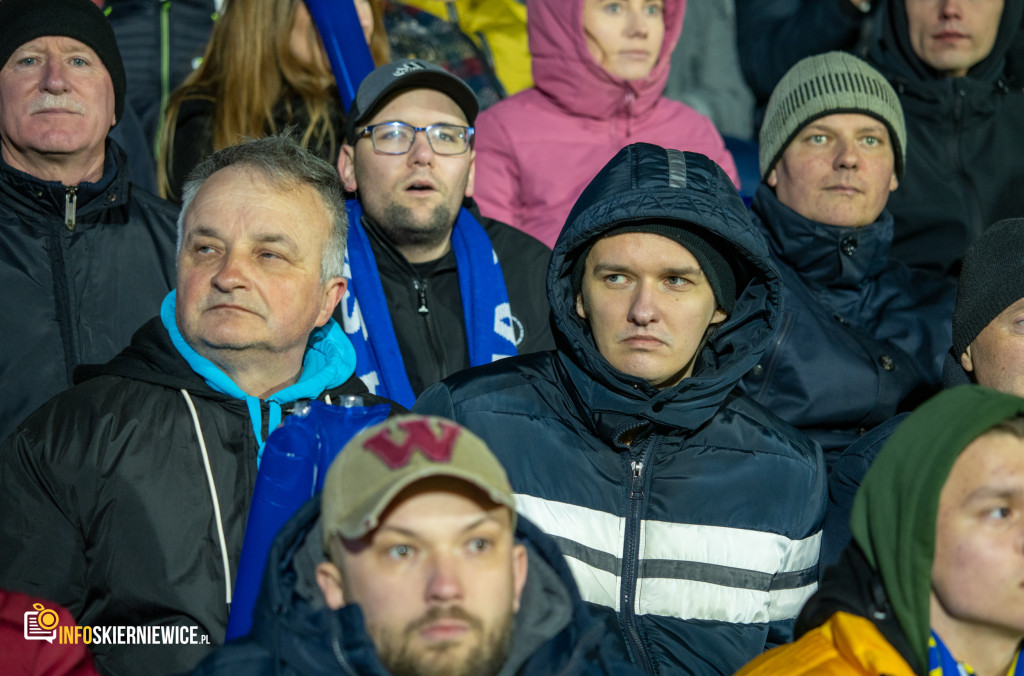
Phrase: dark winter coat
(107, 509)
(81, 269)
(862, 337)
(964, 147)
(699, 540)
(433, 343)
(294, 632)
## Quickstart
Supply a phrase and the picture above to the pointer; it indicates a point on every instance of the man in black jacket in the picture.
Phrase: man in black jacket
(125, 498)
(948, 63)
(85, 255)
(434, 288)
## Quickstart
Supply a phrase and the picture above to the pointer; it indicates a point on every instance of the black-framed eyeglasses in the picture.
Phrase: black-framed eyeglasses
(396, 138)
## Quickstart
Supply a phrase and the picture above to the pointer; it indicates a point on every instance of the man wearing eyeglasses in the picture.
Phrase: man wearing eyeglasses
(434, 287)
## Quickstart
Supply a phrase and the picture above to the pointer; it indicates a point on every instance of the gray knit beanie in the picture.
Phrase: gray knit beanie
(991, 280)
(834, 82)
(25, 20)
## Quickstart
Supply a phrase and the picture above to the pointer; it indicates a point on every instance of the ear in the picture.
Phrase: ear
(333, 291)
(520, 566)
(347, 167)
(773, 179)
(328, 578)
(893, 182)
(718, 317)
(966, 361)
(581, 308)
(471, 179)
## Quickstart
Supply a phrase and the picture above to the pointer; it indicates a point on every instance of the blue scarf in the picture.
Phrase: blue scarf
(329, 361)
(942, 663)
(485, 308)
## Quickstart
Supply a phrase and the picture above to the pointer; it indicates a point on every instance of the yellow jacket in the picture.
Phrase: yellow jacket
(845, 645)
(501, 24)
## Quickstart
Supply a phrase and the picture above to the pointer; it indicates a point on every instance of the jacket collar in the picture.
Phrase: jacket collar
(50, 196)
(825, 255)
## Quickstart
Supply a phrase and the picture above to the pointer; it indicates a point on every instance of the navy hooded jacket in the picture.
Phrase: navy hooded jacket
(295, 633)
(698, 541)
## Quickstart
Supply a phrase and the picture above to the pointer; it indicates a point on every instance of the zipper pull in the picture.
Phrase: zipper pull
(636, 491)
(421, 290)
(70, 207)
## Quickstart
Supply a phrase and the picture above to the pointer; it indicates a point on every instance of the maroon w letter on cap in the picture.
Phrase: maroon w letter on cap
(419, 435)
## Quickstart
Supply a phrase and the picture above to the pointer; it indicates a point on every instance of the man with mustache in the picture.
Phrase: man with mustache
(125, 498)
(413, 562)
(434, 287)
(863, 336)
(689, 515)
(950, 63)
(85, 254)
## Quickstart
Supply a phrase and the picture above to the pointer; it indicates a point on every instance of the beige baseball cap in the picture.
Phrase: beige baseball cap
(382, 460)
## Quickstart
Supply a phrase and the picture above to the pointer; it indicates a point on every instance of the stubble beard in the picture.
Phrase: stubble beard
(486, 658)
(402, 229)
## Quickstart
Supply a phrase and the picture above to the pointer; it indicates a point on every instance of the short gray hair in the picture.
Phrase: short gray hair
(284, 164)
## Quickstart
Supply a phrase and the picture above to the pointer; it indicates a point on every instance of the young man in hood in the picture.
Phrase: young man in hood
(864, 335)
(948, 63)
(932, 582)
(689, 515)
(599, 70)
(426, 572)
(125, 498)
(434, 288)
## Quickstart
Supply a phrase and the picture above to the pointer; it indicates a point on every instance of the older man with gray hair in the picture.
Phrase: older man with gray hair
(125, 498)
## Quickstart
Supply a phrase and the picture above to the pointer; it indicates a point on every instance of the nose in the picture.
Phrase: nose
(232, 273)
(847, 154)
(444, 584)
(421, 152)
(54, 76)
(636, 24)
(950, 9)
(643, 308)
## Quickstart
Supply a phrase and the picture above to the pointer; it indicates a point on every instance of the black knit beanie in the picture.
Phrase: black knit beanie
(991, 280)
(716, 268)
(22, 21)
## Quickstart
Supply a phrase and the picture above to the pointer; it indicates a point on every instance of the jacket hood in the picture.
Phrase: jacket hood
(894, 513)
(565, 71)
(644, 182)
(892, 52)
(553, 626)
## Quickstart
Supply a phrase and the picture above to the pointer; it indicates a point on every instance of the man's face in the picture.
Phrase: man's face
(838, 170)
(249, 268)
(951, 36)
(978, 570)
(996, 356)
(648, 305)
(438, 581)
(56, 99)
(414, 197)
(624, 36)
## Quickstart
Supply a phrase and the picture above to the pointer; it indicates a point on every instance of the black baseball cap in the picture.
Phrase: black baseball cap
(407, 74)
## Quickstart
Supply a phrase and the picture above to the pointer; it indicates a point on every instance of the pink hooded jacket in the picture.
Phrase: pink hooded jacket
(537, 150)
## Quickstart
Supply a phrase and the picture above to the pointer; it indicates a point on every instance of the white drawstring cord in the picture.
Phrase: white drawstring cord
(213, 496)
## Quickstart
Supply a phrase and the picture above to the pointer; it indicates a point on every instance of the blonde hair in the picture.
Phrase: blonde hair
(248, 68)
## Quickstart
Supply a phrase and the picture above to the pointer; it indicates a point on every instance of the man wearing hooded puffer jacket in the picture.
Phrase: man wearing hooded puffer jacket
(963, 169)
(689, 515)
(537, 150)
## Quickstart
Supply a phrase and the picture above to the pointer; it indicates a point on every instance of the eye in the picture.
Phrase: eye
(871, 141)
(817, 139)
(654, 9)
(615, 278)
(675, 280)
(999, 513)
(613, 8)
(79, 62)
(400, 552)
(480, 544)
(271, 256)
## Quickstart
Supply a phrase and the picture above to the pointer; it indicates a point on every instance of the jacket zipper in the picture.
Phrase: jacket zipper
(70, 206)
(631, 561)
(424, 310)
(974, 224)
(339, 655)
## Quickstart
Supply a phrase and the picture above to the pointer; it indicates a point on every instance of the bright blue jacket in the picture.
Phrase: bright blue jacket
(699, 541)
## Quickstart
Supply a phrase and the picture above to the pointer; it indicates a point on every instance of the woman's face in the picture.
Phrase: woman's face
(304, 39)
(624, 36)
